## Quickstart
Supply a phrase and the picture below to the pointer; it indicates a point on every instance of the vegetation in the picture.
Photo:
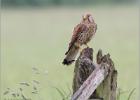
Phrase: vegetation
(39, 38)
(59, 2)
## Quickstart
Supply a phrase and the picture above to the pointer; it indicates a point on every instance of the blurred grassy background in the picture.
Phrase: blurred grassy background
(38, 37)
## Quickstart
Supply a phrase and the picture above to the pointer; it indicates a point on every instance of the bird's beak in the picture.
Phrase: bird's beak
(84, 17)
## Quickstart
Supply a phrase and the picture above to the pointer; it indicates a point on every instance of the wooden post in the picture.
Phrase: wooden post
(94, 81)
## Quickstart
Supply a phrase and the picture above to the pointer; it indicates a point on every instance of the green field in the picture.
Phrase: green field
(39, 38)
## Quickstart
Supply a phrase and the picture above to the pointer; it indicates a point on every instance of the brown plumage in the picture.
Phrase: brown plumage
(82, 34)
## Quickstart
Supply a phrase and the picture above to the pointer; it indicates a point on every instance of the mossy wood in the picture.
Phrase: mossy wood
(94, 81)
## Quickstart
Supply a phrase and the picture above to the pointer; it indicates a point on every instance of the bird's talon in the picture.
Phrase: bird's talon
(87, 46)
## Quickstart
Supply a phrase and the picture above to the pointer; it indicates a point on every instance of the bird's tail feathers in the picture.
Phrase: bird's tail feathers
(69, 49)
(71, 55)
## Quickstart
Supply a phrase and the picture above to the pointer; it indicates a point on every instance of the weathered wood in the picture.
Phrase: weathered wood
(107, 90)
(94, 81)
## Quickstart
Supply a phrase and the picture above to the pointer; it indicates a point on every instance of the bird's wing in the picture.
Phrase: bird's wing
(80, 28)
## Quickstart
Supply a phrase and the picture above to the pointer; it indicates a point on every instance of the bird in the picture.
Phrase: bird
(82, 34)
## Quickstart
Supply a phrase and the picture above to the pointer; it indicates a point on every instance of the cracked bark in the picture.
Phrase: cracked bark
(85, 67)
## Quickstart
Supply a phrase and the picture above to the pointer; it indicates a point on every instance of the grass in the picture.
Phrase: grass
(39, 38)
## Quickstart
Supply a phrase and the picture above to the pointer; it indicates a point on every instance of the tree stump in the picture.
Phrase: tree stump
(86, 71)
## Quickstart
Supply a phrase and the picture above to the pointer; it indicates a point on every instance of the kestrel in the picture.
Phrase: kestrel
(82, 34)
